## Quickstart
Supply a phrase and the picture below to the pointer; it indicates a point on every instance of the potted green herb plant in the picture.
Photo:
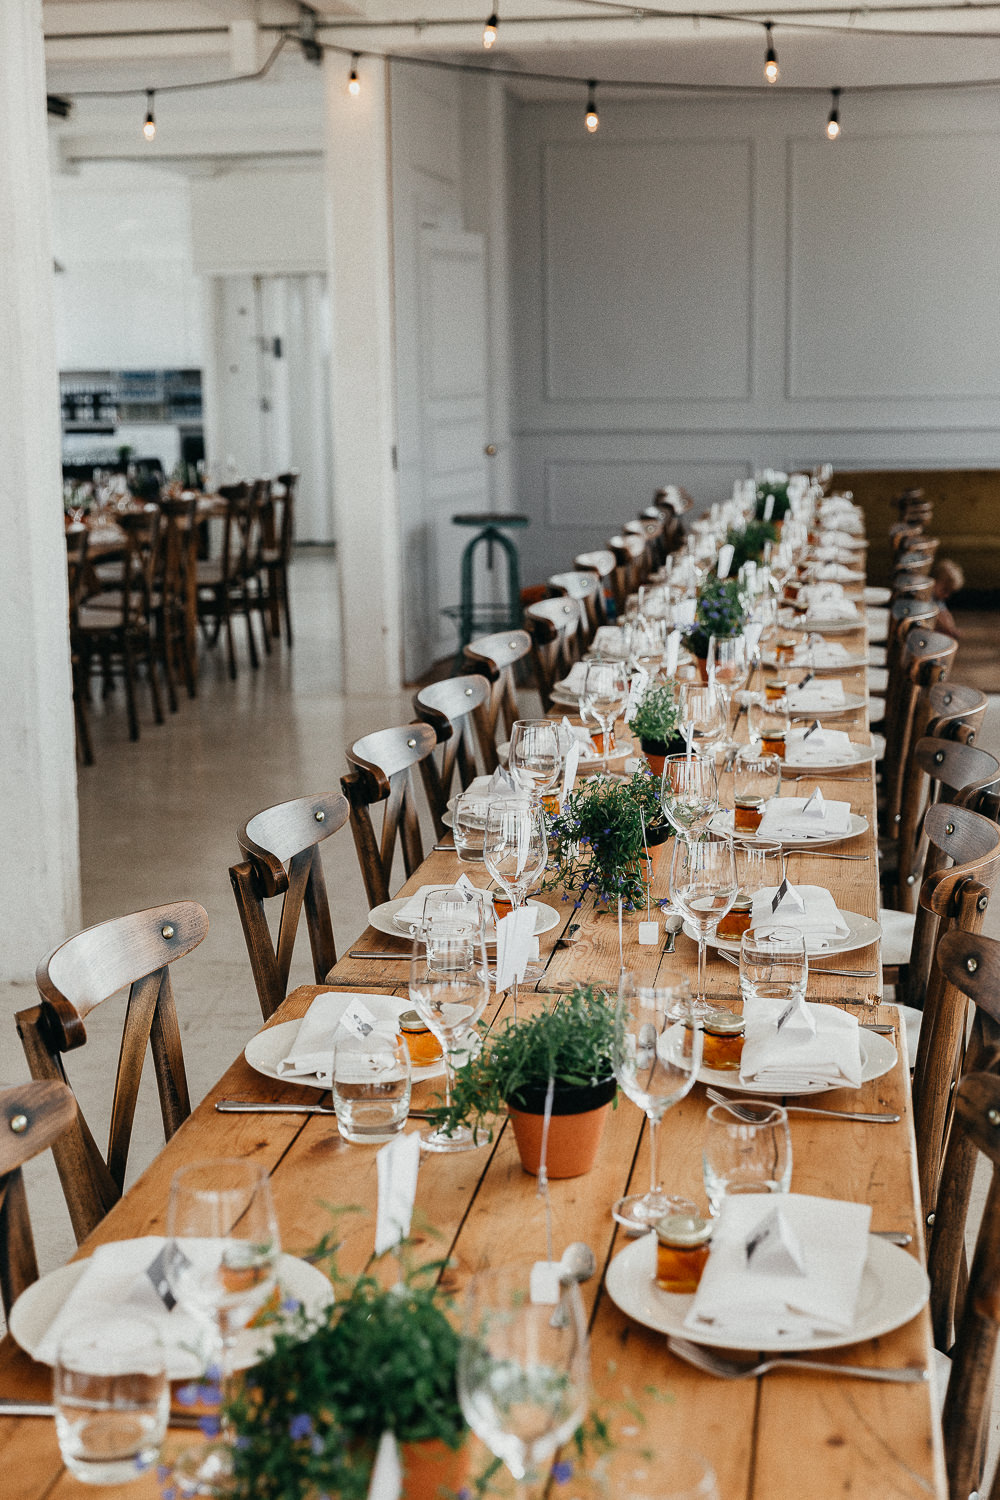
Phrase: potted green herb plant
(569, 1043)
(597, 840)
(656, 722)
(720, 610)
(748, 542)
(778, 489)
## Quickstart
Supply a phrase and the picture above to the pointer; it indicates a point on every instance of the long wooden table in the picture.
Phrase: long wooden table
(782, 1437)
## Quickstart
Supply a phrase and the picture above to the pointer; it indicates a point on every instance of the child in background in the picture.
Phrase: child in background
(948, 579)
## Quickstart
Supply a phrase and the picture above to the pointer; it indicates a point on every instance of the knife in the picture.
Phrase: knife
(265, 1107)
(363, 953)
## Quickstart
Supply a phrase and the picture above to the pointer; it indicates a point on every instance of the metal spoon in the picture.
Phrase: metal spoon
(672, 922)
(578, 1262)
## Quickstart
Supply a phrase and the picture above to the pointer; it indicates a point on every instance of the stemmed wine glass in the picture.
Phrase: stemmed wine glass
(703, 886)
(729, 662)
(605, 693)
(515, 849)
(655, 1056)
(535, 754)
(450, 986)
(523, 1367)
(220, 1262)
(689, 791)
(702, 707)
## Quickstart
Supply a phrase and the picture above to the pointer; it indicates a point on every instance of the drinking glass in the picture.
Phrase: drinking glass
(535, 755)
(756, 779)
(454, 912)
(468, 820)
(449, 986)
(111, 1398)
(515, 849)
(703, 886)
(605, 693)
(729, 661)
(659, 1473)
(689, 791)
(759, 863)
(738, 1157)
(655, 1057)
(523, 1367)
(769, 726)
(773, 965)
(220, 1262)
(371, 1088)
(702, 706)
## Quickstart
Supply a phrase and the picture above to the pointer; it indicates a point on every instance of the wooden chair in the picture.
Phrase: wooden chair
(32, 1116)
(497, 657)
(175, 600)
(225, 585)
(554, 627)
(73, 980)
(651, 531)
(278, 534)
(602, 564)
(927, 659)
(383, 772)
(940, 770)
(288, 834)
(585, 588)
(77, 543)
(457, 711)
(631, 568)
(954, 899)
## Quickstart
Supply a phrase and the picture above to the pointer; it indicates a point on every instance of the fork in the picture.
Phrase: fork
(839, 973)
(734, 1369)
(825, 854)
(750, 1116)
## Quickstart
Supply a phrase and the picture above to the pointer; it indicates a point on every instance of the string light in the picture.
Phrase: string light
(490, 31)
(770, 57)
(354, 82)
(149, 123)
(833, 123)
(592, 119)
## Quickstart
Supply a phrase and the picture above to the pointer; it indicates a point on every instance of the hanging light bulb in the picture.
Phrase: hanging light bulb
(770, 57)
(490, 31)
(833, 123)
(149, 124)
(354, 82)
(592, 119)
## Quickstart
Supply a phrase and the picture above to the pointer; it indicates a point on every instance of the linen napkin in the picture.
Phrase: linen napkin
(574, 683)
(311, 1052)
(837, 572)
(818, 918)
(821, 653)
(502, 783)
(840, 537)
(784, 819)
(788, 1059)
(817, 696)
(821, 748)
(827, 601)
(411, 913)
(609, 640)
(763, 1310)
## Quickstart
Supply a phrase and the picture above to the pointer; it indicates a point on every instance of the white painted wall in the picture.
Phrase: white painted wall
(261, 222)
(702, 288)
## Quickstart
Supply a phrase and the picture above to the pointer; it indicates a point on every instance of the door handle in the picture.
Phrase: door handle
(490, 450)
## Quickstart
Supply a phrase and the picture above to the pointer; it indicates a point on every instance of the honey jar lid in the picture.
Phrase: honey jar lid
(412, 1020)
(684, 1231)
(742, 903)
(723, 1022)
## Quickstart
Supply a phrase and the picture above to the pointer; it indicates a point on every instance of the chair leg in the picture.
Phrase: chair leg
(154, 686)
(230, 644)
(128, 677)
(274, 601)
(80, 715)
(286, 602)
(251, 638)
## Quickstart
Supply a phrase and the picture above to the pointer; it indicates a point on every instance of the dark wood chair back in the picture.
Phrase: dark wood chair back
(956, 712)
(908, 585)
(554, 627)
(32, 1117)
(382, 771)
(133, 952)
(497, 658)
(952, 899)
(585, 588)
(936, 770)
(631, 567)
(927, 659)
(457, 710)
(281, 857)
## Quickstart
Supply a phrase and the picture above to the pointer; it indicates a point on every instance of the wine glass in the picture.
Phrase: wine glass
(702, 707)
(220, 1262)
(523, 1367)
(535, 755)
(605, 693)
(515, 850)
(655, 1056)
(450, 986)
(703, 886)
(689, 790)
(729, 663)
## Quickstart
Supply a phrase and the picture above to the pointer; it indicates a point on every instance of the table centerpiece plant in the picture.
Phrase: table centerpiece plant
(782, 505)
(749, 541)
(721, 609)
(569, 1043)
(600, 837)
(657, 723)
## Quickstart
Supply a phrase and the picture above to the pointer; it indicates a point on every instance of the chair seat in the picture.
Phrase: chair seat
(877, 655)
(876, 710)
(878, 679)
(897, 935)
(102, 621)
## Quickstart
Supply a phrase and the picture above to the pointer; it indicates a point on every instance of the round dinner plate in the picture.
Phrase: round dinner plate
(894, 1287)
(877, 594)
(863, 930)
(33, 1313)
(861, 755)
(853, 575)
(791, 620)
(878, 1057)
(722, 822)
(621, 750)
(272, 1045)
(383, 919)
(852, 702)
(848, 664)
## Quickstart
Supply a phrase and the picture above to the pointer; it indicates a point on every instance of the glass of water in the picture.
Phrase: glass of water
(112, 1399)
(469, 825)
(773, 966)
(371, 1088)
(741, 1156)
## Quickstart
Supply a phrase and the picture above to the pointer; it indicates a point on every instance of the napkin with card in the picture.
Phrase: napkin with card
(817, 747)
(827, 601)
(411, 913)
(820, 653)
(810, 909)
(791, 1046)
(775, 1279)
(576, 680)
(502, 783)
(837, 572)
(804, 818)
(331, 1018)
(822, 694)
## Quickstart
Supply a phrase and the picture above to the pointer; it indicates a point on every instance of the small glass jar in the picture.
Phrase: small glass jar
(784, 650)
(723, 1040)
(773, 744)
(502, 906)
(775, 687)
(421, 1043)
(747, 813)
(737, 919)
(682, 1251)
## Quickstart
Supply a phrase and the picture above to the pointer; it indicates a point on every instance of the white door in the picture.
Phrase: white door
(448, 473)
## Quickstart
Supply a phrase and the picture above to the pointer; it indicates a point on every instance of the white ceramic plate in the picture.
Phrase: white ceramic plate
(565, 698)
(269, 1047)
(861, 755)
(848, 664)
(852, 702)
(790, 620)
(620, 750)
(383, 919)
(877, 595)
(894, 1287)
(863, 930)
(33, 1312)
(722, 822)
(853, 575)
(878, 1057)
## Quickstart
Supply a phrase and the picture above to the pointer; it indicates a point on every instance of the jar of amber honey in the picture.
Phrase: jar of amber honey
(421, 1043)
(784, 650)
(737, 919)
(723, 1040)
(775, 687)
(502, 906)
(773, 744)
(682, 1251)
(747, 813)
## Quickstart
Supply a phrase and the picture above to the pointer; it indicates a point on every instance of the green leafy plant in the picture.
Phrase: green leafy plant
(748, 542)
(782, 505)
(658, 714)
(721, 610)
(598, 839)
(570, 1043)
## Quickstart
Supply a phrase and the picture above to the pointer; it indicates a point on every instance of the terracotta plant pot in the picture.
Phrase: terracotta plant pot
(656, 752)
(701, 666)
(432, 1470)
(575, 1128)
(657, 839)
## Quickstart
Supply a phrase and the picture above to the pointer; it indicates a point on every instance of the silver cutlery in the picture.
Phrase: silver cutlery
(824, 854)
(362, 953)
(444, 849)
(822, 776)
(734, 1369)
(839, 973)
(672, 922)
(894, 1236)
(257, 1107)
(751, 1115)
(9, 1407)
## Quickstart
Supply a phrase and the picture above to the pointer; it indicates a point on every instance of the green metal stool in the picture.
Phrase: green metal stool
(473, 618)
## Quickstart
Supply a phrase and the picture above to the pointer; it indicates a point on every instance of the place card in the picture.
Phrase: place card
(649, 933)
(673, 646)
(358, 1019)
(788, 894)
(725, 561)
(815, 807)
(752, 632)
(396, 1164)
(544, 1286)
(515, 936)
(774, 1249)
(157, 1273)
(769, 508)
(569, 769)
(386, 1482)
(812, 728)
(637, 688)
(796, 1019)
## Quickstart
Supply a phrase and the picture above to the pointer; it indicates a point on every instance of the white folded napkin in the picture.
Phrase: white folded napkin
(838, 610)
(311, 1052)
(609, 640)
(411, 913)
(784, 819)
(793, 1058)
(833, 555)
(574, 683)
(835, 537)
(822, 693)
(821, 748)
(581, 733)
(821, 654)
(502, 783)
(837, 572)
(810, 909)
(762, 1309)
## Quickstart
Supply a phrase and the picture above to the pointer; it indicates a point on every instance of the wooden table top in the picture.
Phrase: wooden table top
(778, 1438)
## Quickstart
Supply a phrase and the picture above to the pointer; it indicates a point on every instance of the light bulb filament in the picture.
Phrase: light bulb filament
(833, 123)
(770, 57)
(149, 123)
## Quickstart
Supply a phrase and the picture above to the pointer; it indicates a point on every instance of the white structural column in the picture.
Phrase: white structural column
(366, 503)
(39, 850)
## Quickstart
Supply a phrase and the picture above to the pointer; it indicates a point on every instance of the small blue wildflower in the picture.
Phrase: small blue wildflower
(169, 1494)
(300, 1426)
(187, 1395)
(291, 1305)
(210, 1395)
(210, 1426)
(163, 1472)
(241, 1443)
(562, 1472)
(213, 1373)
(141, 1464)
